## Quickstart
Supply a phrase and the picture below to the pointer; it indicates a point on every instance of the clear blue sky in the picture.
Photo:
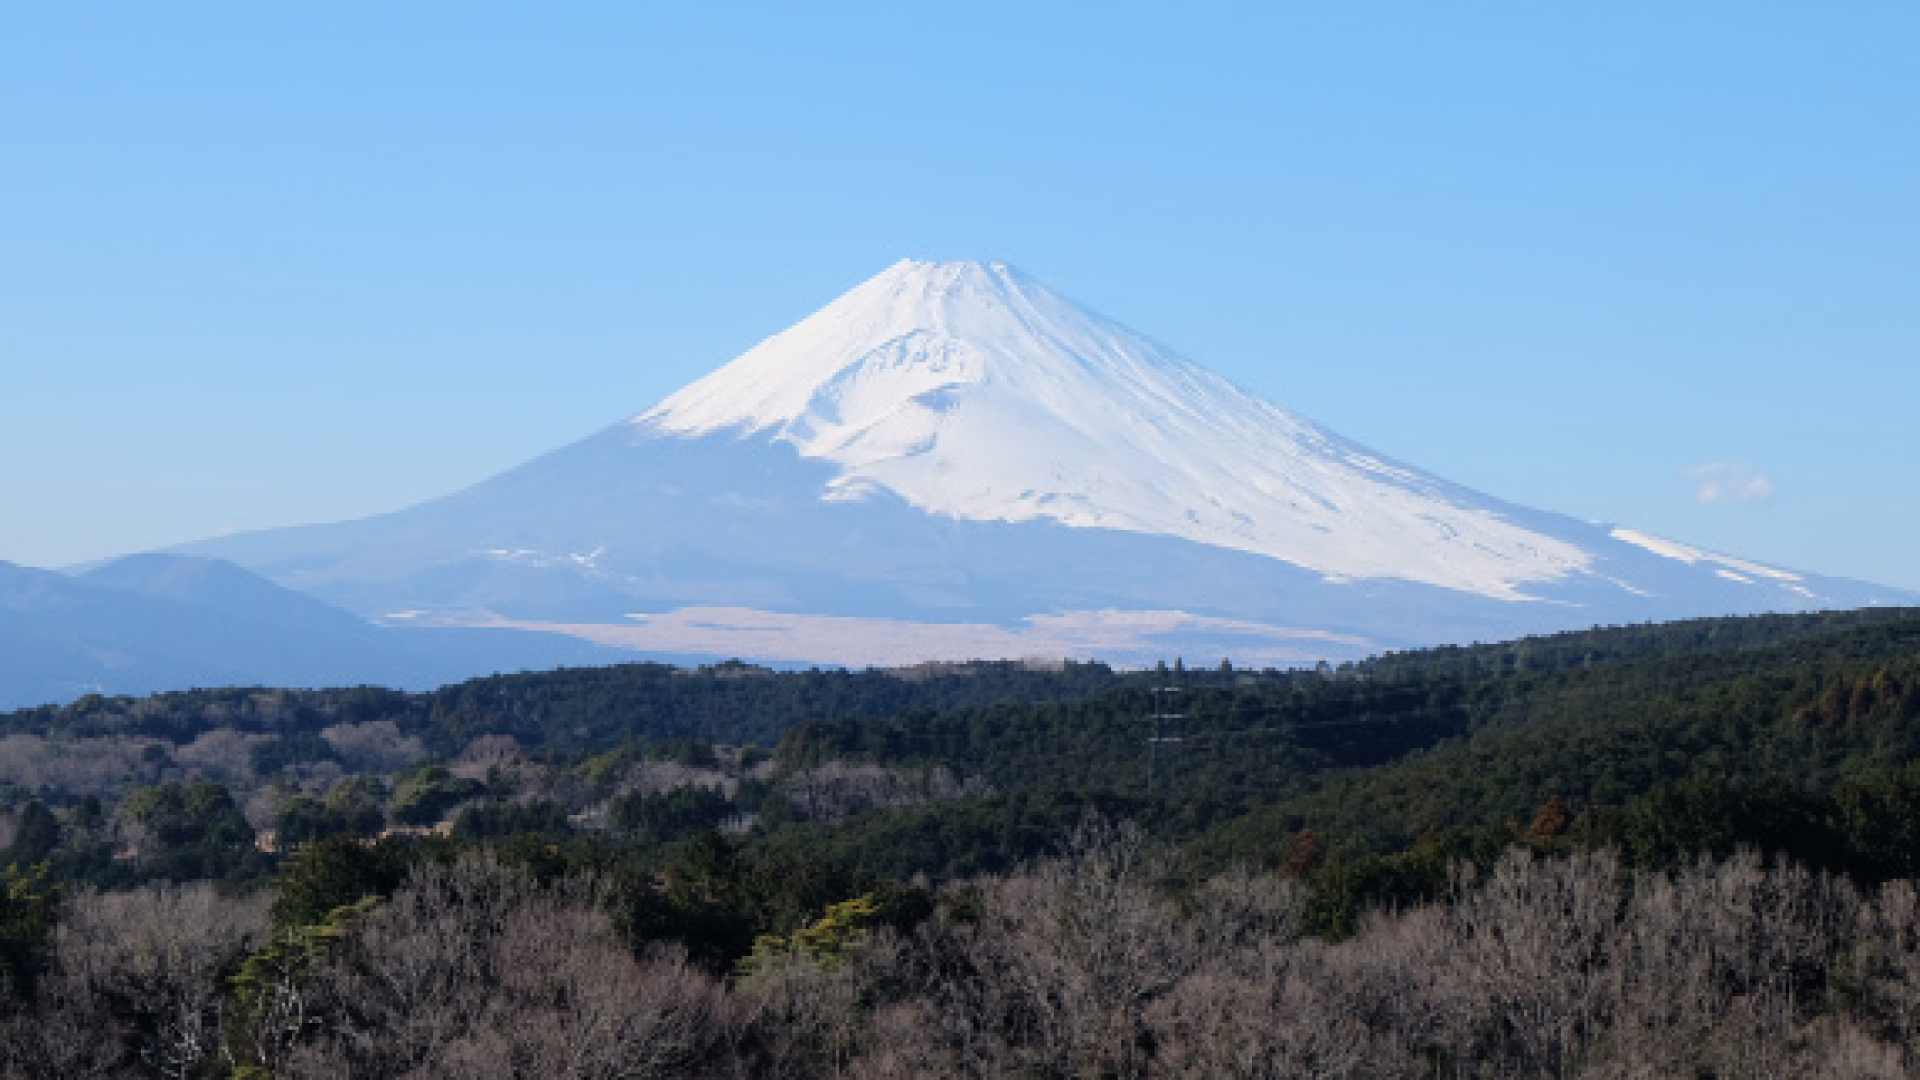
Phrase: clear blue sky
(275, 263)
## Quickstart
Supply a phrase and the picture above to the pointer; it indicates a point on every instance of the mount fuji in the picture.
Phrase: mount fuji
(951, 461)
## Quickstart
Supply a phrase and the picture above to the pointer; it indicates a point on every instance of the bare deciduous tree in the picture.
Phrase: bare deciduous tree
(1055, 969)
(841, 789)
(378, 746)
(1537, 939)
(472, 969)
(139, 973)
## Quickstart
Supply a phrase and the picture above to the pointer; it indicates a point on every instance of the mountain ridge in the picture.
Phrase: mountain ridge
(952, 458)
(157, 622)
(1048, 411)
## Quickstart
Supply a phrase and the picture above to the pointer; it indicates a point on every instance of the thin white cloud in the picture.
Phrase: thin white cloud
(1728, 482)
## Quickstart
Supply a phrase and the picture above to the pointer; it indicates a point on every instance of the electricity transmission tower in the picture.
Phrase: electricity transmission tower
(1160, 716)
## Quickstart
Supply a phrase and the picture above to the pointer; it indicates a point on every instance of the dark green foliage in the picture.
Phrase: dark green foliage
(576, 710)
(337, 872)
(1666, 741)
(656, 819)
(1344, 887)
(303, 820)
(84, 848)
(425, 796)
(587, 709)
(960, 839)
(269, 1012)
(1602, 734)
(1878, 813)
(1343, 890)
(29, 909)
(194, 832)
(720, 896)
(709, 901)
(1709, 815)
(36, 833)
(513, 819)
(181, 717)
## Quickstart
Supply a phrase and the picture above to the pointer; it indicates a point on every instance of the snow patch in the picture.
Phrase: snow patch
(1673, 549)
(973, 392)
(585, 560)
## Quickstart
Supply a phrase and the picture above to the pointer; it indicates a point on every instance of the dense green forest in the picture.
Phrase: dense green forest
(739, 816)
(957, 769)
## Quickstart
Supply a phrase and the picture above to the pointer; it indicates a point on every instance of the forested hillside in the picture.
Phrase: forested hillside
(750, 838)
(958, 768)
(1376, 756)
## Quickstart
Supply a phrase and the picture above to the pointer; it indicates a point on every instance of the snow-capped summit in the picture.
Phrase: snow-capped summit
(953, 461)
(972, 391)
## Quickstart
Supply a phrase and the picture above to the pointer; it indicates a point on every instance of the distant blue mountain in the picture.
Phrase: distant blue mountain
(161, 622)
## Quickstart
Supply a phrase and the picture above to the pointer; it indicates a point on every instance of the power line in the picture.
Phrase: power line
(1160, 716)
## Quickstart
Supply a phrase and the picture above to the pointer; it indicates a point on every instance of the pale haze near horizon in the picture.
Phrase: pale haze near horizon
(1648, 264)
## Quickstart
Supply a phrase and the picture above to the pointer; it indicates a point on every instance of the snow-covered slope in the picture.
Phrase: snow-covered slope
(952, 459)
(971, 391)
